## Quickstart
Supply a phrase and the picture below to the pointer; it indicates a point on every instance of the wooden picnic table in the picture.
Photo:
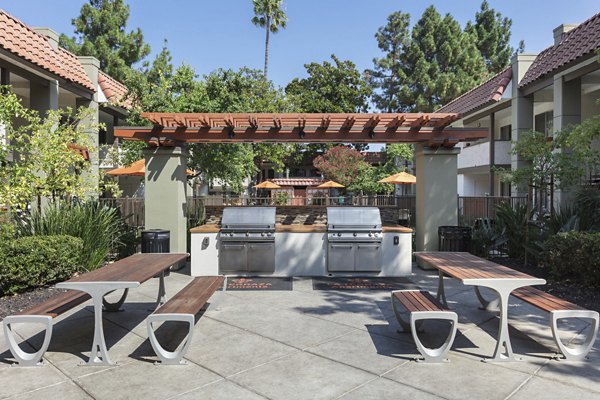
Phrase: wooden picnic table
(124, 274)
(473, 270)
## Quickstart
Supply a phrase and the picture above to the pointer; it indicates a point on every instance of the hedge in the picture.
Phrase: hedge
(35, 261)
(575, 256)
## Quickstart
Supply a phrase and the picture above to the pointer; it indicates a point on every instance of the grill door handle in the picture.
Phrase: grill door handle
(233, 245)
(341, 246)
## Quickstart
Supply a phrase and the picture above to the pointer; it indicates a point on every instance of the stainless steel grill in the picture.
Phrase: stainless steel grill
(354, 237)
(247, 240)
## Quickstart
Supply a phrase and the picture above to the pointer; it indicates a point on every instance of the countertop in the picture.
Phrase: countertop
(213, 228)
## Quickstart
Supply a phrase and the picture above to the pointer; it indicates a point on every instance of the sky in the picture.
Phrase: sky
(218, 34)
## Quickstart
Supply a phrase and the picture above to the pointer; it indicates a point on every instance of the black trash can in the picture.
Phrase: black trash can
(156, 241)
(454, 238)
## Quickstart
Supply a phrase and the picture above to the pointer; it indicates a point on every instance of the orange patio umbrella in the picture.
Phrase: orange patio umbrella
(137, 168)
(399, 178)
(267, 185)
(329, 185)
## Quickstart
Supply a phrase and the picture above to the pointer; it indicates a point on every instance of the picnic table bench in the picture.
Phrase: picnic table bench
(183, 307)
(421, 306)
(124, 274)
(43, 314)
(559, 309)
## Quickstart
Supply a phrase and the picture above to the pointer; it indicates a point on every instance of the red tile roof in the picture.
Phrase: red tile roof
(297, 181)
(115, 91)
(578, 42)
(487, 93)
(22, 41)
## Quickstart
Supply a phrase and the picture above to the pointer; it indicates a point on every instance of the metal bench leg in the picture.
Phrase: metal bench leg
(437, 354)
(441, 294)
(23, 358)
(170, 357)
(580, 352)
(218, 298)
(404, 323)
(488, 305)
(118, 306)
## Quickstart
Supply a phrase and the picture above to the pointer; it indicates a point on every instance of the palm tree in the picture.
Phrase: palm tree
(269, 14)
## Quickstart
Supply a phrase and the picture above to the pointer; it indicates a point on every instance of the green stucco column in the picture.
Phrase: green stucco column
(436, 193)
(91, 66)
(566, 113)
(165, 196)
(522, 111)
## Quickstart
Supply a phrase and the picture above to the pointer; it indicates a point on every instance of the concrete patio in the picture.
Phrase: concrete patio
(302, 344)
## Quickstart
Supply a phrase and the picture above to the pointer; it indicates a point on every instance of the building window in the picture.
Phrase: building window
(504, 188)
(506, 132)
(544, 123)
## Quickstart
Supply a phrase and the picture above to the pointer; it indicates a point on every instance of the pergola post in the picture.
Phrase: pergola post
(436, 170)
(165, 193)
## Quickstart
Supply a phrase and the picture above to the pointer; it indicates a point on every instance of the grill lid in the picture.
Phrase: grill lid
(244, 217)
(357, 218)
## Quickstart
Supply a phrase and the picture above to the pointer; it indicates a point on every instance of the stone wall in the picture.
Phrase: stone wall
(303, 215)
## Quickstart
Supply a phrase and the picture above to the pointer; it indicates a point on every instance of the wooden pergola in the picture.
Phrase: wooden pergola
(435, 155)
(429, 129)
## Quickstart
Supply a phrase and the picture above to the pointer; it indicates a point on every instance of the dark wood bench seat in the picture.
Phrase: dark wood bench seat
(558, 309)
(44, 314)
(183, 307)
(421, 305)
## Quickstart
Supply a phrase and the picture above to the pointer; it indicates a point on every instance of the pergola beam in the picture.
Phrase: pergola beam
(427, 128)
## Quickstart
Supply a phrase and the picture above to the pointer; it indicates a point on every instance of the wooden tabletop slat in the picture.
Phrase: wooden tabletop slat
(57, 304)
(136, 268)
(467, 266)
(193, 296)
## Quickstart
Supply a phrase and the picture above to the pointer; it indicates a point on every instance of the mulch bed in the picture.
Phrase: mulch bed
(587, 297)
(10, 305)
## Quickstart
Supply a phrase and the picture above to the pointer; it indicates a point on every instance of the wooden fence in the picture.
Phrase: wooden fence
(472, 208)
(469, 208)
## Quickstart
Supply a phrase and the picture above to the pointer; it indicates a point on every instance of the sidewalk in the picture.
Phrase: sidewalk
(302, 344)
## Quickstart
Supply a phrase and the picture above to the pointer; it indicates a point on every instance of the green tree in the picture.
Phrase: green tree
(336, 87)
(100, 31)
(41, 157)
(492, 31)
(269, 14)
(388, 75)
(427, 67)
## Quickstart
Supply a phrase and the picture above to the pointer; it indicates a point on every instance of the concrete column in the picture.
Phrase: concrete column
(43, 97)
(91, 66)
(567, 112)
(522, 111)
(436, 193)
(165, 196)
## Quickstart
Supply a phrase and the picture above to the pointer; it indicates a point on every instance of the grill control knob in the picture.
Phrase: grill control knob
(371, 234)
(247, 234)
(231, 234)
(268, 233)
(339, 234)
(355, 234)
(262, 234)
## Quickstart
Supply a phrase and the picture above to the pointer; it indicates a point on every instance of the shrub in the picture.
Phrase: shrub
(98, 226)
(574, 255)
(35, 261)
(7, 232)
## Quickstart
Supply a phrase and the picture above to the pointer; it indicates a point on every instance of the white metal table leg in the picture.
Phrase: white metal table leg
(504, 287)
(97, 290)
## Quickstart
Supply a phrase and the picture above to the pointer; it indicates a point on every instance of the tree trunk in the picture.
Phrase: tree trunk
(267, 46)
